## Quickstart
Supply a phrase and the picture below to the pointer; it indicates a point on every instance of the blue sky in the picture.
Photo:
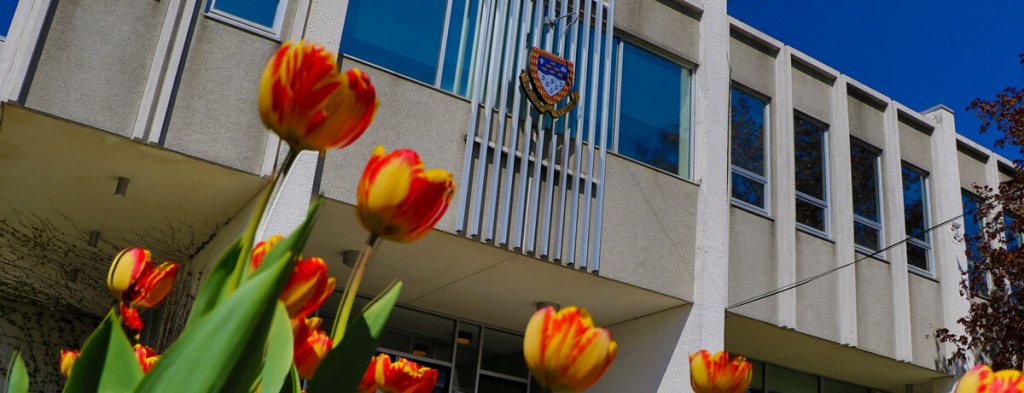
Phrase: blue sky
(918, 52)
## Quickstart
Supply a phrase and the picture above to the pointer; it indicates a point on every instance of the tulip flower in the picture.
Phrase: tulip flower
(564, 351)
(403, 376)
(131, 320)
(67, 360)
(310, 348)
(397, 199)
(715, 373)
(136, 281)
(147, 356)
(261, 250)
(981, 379)
(307, 287)
(306, 101)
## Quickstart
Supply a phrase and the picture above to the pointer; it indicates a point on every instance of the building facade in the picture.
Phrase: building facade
(704, 166)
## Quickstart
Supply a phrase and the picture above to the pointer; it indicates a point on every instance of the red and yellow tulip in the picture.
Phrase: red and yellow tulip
(981, 379)
(309, 103)
(261, 250)
(130, 319)
(397, 199)
(147, 356)
(307, 288)
(565, 351)
(403, 376)
(311, 346)
(715, 373)
(136, 281)
(67, 360)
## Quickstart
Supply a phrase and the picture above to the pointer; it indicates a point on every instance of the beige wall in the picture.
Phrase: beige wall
(811, 95)
(915, 146)
(925, 318)
(972, 171)
(751, 66)
(817, 302)
(660, 25)
(866, 122)
(874, 307)
(752, 265)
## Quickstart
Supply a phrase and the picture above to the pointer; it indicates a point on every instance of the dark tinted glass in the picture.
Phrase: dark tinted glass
(261, 12)
(458, 50)
(491, 384)
(757, 380)
(747, 127)
(832, 386)
(1013, 238)
(809, 150)
(917, 256)
(747, 190)
(864, 176)
(914, 204)
(972, 239)
(503, 353)
(411, 41)
(865, 236)
(810, 215)
(653, 122)
(6, 16)
(467, 347)
(781, 380)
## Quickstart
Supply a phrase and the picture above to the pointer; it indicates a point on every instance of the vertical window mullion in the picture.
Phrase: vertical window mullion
(444, 43)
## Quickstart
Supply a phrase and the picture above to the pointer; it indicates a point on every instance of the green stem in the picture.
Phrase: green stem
(352, 288)
(248, 238)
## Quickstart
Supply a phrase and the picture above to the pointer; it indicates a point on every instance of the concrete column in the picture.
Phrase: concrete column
(950, 255)
(22, 40)
(705, 326)
(165, 47)
(841, 205)
(785, 196)
(895, 230)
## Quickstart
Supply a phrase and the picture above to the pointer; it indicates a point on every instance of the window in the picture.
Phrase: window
(415, 43)
(749, 146)
(867, 207)
(972, 238)
(788, 381)
(811, 159)
(915, 215)
(262, 15)
(654, 110)
(775, 379)
(6, 17)
(1014, 240)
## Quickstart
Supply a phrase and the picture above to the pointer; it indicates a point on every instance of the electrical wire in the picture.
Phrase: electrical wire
(835, 269)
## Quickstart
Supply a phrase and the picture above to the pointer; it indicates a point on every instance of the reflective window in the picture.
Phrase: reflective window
(412, 43)
(1014, 240)
(811, 164)
(6, 16)
(833, 386)
(772, 378)
(867, 220)
(972, 239)
(264, 15)
(782, 380)
(915, 215)
(748, 149)
(654, 113)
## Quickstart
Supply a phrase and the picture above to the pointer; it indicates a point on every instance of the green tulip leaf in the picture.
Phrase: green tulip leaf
(223, 350)
(293, 384)
(343, 367)
(290, 247)
(107, 362)
(17, 381)
(213, 287)
(278, 361)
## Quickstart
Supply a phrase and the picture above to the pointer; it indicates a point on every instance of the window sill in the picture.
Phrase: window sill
(656, 169)
(922, 274)
(752, 210)
(866, 254)
(814, 232)
(235, 23)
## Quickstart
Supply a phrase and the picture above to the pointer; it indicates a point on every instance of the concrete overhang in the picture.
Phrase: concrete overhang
(457, 276)
(799, 351)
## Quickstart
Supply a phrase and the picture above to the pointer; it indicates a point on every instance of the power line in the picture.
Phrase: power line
(835, 269)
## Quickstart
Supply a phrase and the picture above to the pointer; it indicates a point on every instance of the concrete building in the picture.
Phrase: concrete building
(706, 164)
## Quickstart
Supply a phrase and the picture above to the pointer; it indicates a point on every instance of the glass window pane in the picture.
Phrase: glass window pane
(757, 379)
(503, 353)
(842, 387)
(652, 116)
(7, 16)
(864, 165)
(593, 63)
(809, 150)
(810, 215)
(261, 12)
(468, 344)
(972, 240)
(458, 52)
(1013, 239)
(747, 127)
(917, 256)
(781, 380)
(914, 204)
(747, 190)
(491, 384)
(866, 236)
(409, 45)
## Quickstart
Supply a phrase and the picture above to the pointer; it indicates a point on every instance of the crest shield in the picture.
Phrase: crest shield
(552, 76)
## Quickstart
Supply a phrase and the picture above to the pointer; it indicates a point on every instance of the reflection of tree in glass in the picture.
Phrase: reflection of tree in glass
(663, 152)
(747, 125)
(913, 204)
(809, 159)
(864, 178)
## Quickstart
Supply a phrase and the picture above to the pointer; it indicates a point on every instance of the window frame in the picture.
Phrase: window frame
(764, 180)
(926, 214)
(981, 221)
(800, 196)
(880, 225)
(272, 32)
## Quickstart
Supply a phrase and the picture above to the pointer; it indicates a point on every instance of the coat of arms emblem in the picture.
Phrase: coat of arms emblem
(548, 81)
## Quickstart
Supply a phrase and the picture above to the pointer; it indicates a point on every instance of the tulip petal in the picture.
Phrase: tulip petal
(977, 380)
(126, 268)
(67, 361)
(565, 351)
(153, 286)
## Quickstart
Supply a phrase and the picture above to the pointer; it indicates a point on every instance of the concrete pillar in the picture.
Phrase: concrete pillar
(784, 173)
(950, 255)
(895, 230)
(705, 326)
(841, 205)
(30, 18)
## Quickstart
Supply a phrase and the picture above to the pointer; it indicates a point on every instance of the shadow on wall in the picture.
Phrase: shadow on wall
(646, 346)
(40, 333)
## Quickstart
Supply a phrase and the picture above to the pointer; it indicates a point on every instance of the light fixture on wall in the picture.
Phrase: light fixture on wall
(553, 305)
(94, 238)
(464, 338)
(349, 258)
(122, 187)
(420, 349)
